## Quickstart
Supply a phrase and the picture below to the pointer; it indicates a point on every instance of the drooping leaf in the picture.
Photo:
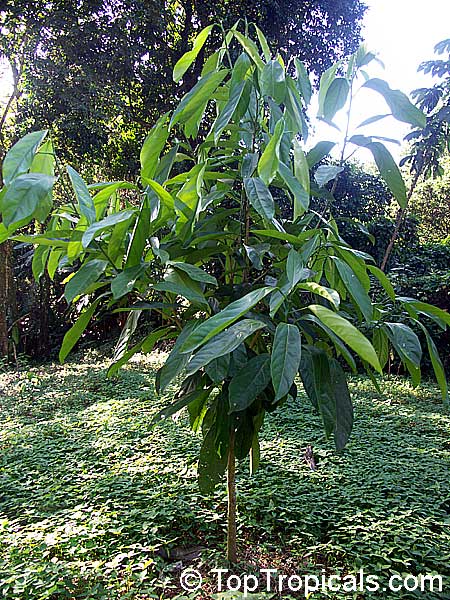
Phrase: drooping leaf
(355, 288)
(273, 81)
(348, 333)
(319, 151)
(76, 331)
(229, 109)
(88, 274)
(23, 197)
(249, 382)
(344, 407)
(301, 198)
(223, 343)
(325, 292)
(124, 282)
(303, 81)
(223, 319)
(260, 197)
(20, 157)
(250, 48)
(401, 107)
(325, 81)
(285, 358)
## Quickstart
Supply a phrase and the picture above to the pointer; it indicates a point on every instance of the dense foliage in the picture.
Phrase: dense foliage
(100, 75)
(97, 504)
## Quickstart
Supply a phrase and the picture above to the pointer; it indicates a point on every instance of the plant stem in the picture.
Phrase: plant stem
(231, 488)
(398, 222)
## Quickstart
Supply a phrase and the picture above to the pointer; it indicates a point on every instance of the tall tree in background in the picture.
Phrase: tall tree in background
(99, 71)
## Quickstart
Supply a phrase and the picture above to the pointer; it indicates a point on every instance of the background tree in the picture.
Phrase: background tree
(100, 72)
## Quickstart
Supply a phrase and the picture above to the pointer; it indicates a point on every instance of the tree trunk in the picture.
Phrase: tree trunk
(8, 309)
(231, 481)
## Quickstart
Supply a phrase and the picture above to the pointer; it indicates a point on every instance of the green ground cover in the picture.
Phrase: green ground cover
(94, 503)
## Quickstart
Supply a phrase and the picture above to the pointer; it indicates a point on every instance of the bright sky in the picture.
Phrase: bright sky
(403, 33)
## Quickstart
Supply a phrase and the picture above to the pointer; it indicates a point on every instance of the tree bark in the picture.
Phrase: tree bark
(231, 486)
(8, 309)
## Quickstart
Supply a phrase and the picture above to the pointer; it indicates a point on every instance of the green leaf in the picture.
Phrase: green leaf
(40, 256)
(335, 98)
(217, 369)
(436, 361)
(301, 167)
(124, 282)
(316, 378)
(83, 278)
(85, 202)
(433, 312)
(389, 172)
(268, 163)
(223, 319)
(263, 42)
(401, 107)
(355, 288)
(194, 272)
(163, 194)
(406, 342)
(348, 333)
(384, 280)
(199, 395)
(344, 407)
(23, 197)
(301, 198)
(228, 110)
(211, 464)
(20, 157)
(176, 361)
(325, 82)
(249, 382)
(326, 173)
(153, 146)
(285, 360)
(325, 292)
(320, 150)
(273, 81)
(180, 284)
(145, 345)
(260, 197)
(188, 58)
(303, 82)
(76, 331)
(223, 343)
(197, 96)
(251, 49)
(93, 230)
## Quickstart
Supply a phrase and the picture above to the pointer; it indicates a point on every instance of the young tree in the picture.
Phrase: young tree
(252, 299)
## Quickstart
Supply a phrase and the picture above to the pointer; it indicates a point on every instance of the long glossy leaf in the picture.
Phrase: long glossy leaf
(76, 331)
(85, 201)
(320, 150)
(223, 319)
(303, 82)
(325, 82)
(20, 157)
(325, 292)
(199, 94)
(336, 97)
(228, 110)
(189, 57)
(23, 197)
(223, 343)
(251, 49)
(355, 288)
(260, 197)
(83, 278)
(348, 333)
(273, 81)
(401, 107)
(301, 198)
(93, 230)
(344, 407)
(249, 382)
(285, 359)
(153, 146)
(268, 163)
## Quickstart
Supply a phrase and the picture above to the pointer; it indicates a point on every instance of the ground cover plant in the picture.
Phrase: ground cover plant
(252, 297)
(96, 503)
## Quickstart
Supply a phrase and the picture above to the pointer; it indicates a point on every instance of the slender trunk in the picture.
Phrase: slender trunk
(398, 222)
(3, 301)
(231, 486)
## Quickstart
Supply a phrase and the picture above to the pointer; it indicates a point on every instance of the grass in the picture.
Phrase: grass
(94, 503)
